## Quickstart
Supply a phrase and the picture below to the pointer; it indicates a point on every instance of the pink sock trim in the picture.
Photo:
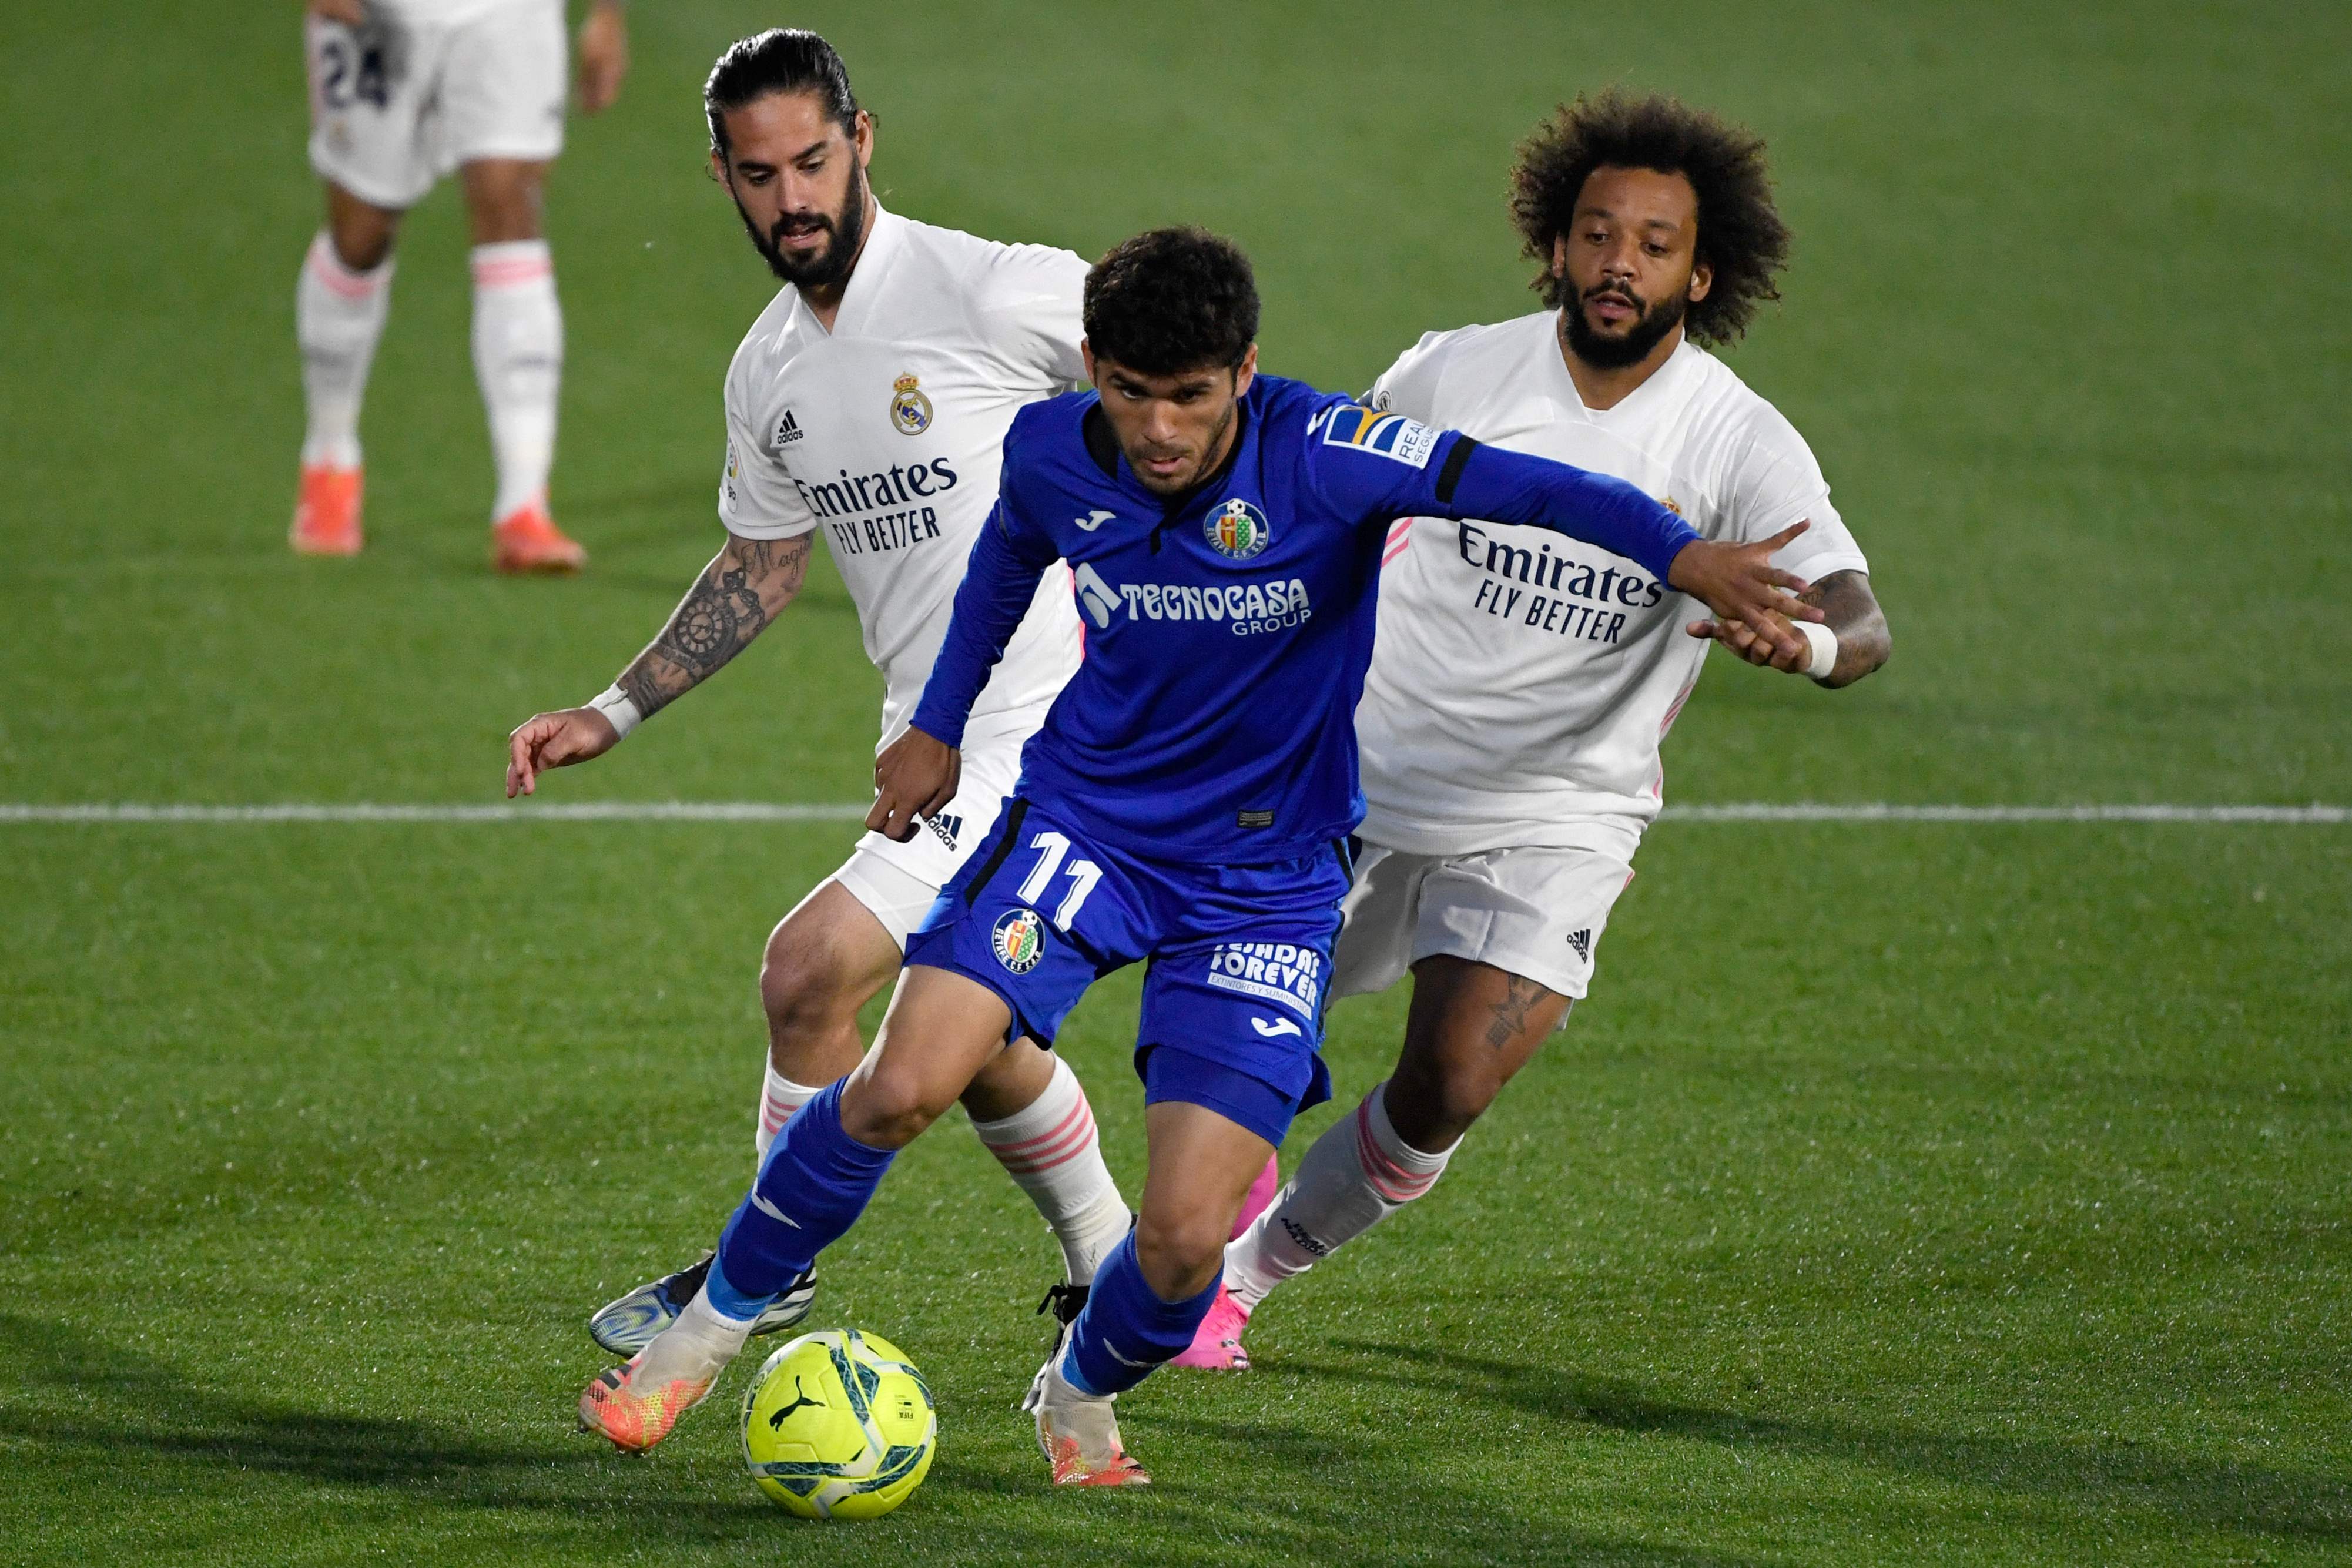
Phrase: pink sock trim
(1387, 1178)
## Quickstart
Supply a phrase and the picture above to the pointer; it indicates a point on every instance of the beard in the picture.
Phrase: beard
(830, 267)
(1632, 345)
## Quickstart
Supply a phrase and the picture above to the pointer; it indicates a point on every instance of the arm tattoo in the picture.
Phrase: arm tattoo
(736, 596)
(1854, 614)
(1511, 1013)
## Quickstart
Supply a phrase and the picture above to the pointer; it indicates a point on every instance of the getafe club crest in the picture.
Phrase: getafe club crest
(1239, 529)
(1018, 939)
(910, 411)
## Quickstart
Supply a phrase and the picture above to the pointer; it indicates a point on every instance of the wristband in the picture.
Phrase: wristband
(1824, 643)
(614, 705)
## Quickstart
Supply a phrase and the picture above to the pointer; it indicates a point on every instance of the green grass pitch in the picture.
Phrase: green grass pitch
(1905, 1193)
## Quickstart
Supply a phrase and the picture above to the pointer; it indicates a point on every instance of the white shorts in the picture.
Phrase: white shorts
(395, 104)
(1534, 912)
(899, 882)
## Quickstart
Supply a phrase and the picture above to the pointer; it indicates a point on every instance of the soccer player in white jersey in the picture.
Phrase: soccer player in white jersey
(1521, 685)
(402, 92)
(867, 407)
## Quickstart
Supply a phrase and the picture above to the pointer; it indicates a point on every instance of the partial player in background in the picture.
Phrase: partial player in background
(402, 92)
(1186, 804)
(867, 405)
(1522, 683)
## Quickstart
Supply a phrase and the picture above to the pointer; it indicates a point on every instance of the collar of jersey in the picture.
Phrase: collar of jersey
(868, 278)
(1093, 428)
(1671, 371)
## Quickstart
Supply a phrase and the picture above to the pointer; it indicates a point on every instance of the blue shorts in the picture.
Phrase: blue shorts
(1240, 957)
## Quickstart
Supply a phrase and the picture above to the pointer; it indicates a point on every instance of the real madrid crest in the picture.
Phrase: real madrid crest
(1239, 529)
(910, 411)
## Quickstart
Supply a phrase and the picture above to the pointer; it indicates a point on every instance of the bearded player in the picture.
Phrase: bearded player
(402, 92)
(1522, 683)
(1186, 804)
(867, 407)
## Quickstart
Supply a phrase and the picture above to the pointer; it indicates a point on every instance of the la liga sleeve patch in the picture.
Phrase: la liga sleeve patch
(1392, 436)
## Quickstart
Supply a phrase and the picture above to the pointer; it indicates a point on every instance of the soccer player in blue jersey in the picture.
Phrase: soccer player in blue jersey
(1186, 804)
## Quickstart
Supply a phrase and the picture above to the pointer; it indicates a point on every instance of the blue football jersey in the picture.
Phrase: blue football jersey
(1228, 629)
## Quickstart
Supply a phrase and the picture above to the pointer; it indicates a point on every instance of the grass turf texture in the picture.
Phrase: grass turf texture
(1903, 1192)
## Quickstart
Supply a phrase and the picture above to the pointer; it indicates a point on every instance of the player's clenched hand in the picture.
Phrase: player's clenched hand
(350, 13)
(604, 57)
(555, 741)
(1740, 583)
(914, 777)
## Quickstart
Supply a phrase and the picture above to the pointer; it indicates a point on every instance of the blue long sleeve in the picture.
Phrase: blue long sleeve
(1512, 487)
(999, 581)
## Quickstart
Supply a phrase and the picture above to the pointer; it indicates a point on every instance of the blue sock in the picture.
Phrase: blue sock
(816, 1181)
(1126, 1331)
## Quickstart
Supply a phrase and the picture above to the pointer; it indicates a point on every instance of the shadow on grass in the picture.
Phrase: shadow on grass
(1306, 1497)
(2243, 1498)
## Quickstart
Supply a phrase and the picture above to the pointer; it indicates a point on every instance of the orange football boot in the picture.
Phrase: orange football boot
(327, 511)
(634, 1421)
(527, 540)
(1079, 1433)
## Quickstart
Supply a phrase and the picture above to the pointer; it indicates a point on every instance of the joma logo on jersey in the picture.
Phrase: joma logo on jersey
(1248, 608)
(1239, 529)
(1018, 939)
(1273, 970)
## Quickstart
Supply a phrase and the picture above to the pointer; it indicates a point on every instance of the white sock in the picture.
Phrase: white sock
(1051, 1151)
(778, 1098)
(518, 359)
(338, 317)
(698, 1345)
(1354, 1176)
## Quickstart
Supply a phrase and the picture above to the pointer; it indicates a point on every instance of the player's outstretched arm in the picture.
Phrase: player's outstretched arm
(745, 586)
(1848, 608)
(1738, 582)
(917, 773)
(604, 55)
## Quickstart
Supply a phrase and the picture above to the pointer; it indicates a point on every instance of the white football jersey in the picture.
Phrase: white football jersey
(439, 11)
(887, 434)
(1521, 682)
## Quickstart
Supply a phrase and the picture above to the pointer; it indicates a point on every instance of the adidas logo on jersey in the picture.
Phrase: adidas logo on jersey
(1250, 608)
(788, 429)
(948, 825)
(1581, 941)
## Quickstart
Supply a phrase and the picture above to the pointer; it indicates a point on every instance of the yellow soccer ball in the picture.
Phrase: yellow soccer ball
(839, 1424)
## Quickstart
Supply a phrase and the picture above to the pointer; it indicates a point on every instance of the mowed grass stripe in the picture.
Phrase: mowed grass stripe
(851, 811)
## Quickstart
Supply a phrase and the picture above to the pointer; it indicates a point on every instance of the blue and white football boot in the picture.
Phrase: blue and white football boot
(626, 1324)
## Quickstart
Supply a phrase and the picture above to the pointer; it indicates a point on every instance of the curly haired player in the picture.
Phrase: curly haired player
(1522, 683)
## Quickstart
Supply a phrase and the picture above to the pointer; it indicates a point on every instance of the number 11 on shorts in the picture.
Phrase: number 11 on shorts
(1083, 875)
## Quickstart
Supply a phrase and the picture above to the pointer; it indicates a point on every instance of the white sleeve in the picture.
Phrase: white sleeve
(757, 498)
(1032, 298)
(1409, 385)
(1775, 482)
